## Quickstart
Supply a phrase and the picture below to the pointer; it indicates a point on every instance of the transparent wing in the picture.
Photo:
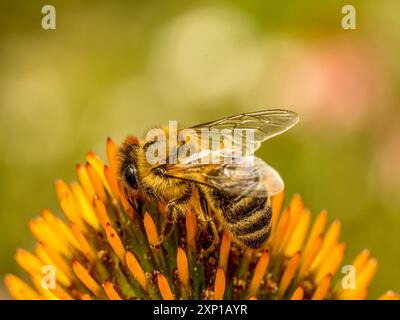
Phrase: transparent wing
(246, 176)
(256, 127)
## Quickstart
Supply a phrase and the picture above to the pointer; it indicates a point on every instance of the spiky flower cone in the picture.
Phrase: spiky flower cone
(106, 251)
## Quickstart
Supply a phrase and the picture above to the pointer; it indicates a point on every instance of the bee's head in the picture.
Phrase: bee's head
(128, 170)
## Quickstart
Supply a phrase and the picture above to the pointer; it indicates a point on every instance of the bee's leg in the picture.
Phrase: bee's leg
(173, 210)
(129, 199)
(135, 202)
(209, 234)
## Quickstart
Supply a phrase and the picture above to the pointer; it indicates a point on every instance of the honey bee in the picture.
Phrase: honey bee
(237, 191)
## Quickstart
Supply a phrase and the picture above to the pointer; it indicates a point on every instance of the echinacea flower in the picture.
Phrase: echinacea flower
(107, 250)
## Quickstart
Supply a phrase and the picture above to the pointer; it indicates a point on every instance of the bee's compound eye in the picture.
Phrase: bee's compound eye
(129, 175)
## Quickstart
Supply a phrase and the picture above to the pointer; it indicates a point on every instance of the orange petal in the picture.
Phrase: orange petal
(97, 165)
(136, 269)
(330, 240)
(331, 263)
(61, 293)
(61, 189)
(71, 210)
(19, 289)
(367, 273)
(164, 288)
(85, 181)
(112, 154)
(277, 204)
(288, 274)
(296, 209)
(322, 288)
(115, 242)
(85, 247)
(224, 251)
(317, 228)
(110, 291)
(283, 224)
(101, 212)
(259, 272)
(298, 294)
(183, 267)
(219, 287)
(86, 208)
(97, 182)
(86, 278)
(389, 295)
(27, 261)
(151, 229)
(112, 181)
(43, 233)
(361, 260)
(309, 256)
(296, 240)
(60, 228)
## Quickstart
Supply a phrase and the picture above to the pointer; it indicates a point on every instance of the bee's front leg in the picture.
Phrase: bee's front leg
(209, 234)
(173, 210)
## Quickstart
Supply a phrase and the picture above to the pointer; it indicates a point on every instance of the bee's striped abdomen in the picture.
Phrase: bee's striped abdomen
(252, 226)
(248, 219)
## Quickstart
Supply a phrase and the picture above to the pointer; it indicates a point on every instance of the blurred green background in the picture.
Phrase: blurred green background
(112, 68)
